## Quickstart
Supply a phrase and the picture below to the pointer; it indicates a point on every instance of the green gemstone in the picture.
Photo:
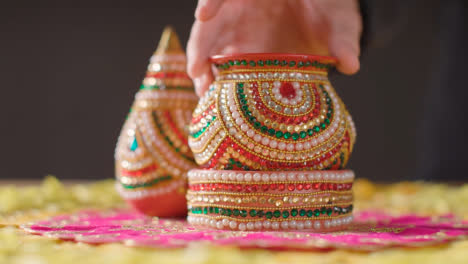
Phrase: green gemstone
(317, 212)
(216, 210)
(243, 62)
(300, 64)
(307, 64)
(260, 63)
(279, 134)
(252, 119)
(252, 63)
(240, 85)
(323, 126)
(317, 129)
(264, 129)
(242, 96)
(329, 116)
(269, 215)
(276, 62)
(302, 212)
(211, 209)
(284, 63)
(134, 144)
(303, 134)
(268, 62)
(232, 161)
(287, 135)
(285, 214)
(327, 121)
(205, 210)
(295, 136)
(236, 212)
(253, 213)
(245, 107)
(309, 213)
(271, 132)
(277, 213)
(243, 213)
(310, 132)
(329, 211)
(257, 124)
(240, 90)
(260, 213)
(231, 62)
(294, 212)
(292, 63)
(228, 212)
(238, 164)
(236, 62)
(323, 210)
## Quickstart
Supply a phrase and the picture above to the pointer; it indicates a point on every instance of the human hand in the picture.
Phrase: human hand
(319, 27)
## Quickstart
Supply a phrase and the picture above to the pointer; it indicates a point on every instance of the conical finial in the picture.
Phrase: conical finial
(169, 43)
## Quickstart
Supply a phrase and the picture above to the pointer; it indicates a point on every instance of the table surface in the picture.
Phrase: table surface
(28, 200)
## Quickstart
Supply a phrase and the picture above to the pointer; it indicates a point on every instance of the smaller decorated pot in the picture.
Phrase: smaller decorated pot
(272, 139)
(152, 155)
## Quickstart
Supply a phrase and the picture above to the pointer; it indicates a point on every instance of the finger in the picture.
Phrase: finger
(344, 39)
(202, 83)
(199, 48)
(348, 58)
(207, 9)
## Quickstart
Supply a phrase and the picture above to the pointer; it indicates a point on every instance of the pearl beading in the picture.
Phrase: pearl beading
(196, 175)
(270, 75)
(261, 225)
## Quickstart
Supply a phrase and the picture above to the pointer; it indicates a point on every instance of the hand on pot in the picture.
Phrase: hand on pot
(319, 27)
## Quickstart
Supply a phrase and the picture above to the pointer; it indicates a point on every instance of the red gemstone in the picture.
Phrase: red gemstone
(307, 186)
(287, 90)
(300, 186)
(281, 187)
(238, 187)
(330, 186)
(316, 186)
(265, 187)
(273, 186)
(324, 187)
(291, 187)
(254, 188)
(248, 188)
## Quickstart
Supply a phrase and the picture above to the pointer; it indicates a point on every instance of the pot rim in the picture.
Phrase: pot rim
(219, 58)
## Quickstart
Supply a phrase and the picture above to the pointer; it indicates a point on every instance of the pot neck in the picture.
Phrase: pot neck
(273, 63)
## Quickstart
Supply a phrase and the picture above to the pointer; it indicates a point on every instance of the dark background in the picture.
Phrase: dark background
(68, 76)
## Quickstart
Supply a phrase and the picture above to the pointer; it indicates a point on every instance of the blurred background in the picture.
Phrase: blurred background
(69, 71)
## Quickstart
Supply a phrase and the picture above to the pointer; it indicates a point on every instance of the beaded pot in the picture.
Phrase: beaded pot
(152, 154)
(270, 113)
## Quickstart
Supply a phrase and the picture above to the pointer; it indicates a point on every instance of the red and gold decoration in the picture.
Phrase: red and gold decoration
(240, 200)
(152, 154)
(268, 115)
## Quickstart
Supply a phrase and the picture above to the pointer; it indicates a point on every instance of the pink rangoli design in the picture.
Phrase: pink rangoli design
(370, 231)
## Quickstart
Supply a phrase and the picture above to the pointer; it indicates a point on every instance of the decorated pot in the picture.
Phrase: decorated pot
(152, 155)
(272, 139)
(271, 112)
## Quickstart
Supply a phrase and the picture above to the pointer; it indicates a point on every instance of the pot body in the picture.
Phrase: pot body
(152, 155)
(272, 112)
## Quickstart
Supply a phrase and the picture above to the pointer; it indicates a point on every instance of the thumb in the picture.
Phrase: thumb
(345, 33)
